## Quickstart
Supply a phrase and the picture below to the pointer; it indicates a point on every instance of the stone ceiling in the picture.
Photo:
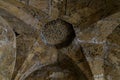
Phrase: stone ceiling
(59, 39)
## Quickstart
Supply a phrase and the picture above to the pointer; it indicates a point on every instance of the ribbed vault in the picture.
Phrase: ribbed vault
(90, 26)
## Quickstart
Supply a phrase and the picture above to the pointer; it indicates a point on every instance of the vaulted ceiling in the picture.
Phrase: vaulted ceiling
(60, 39)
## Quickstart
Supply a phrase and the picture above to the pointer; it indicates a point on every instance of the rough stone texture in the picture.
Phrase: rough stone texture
(112, 63)
(89, 50)
(7, 50)
(51, 30)
(56, 71)
(94, 54)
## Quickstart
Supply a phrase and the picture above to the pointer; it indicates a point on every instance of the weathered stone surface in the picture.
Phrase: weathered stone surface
(57, 71)
(80, 40)
(112, 62)
(7, 50)
(94, 54)
(58, 33)
(99, 31)
(74, 51)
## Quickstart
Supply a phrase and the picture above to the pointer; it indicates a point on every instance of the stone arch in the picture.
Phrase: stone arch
(99, 31)
(7, 50)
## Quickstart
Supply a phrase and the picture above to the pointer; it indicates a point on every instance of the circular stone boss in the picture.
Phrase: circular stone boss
(57, 32)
